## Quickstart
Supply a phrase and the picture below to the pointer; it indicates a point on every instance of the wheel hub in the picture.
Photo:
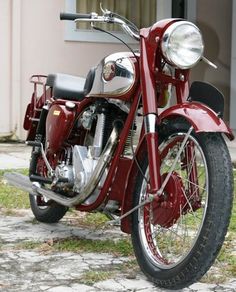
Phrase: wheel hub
(168, 210)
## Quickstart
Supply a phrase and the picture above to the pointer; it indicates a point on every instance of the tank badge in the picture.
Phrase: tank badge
(56, 113)
(109, 71)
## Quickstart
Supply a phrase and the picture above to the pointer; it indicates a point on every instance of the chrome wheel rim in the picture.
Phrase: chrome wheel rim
(165, 246)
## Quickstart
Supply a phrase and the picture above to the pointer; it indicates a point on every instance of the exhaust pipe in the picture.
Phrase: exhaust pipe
(22, 182)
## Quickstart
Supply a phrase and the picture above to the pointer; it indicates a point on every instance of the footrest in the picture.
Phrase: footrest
(33, 143)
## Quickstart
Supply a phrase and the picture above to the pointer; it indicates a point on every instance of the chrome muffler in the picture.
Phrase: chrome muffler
(22, 182)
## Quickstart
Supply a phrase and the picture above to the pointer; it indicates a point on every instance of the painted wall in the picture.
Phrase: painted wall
(44, 49)
(32, 41)
(215, 20)
(5, 67)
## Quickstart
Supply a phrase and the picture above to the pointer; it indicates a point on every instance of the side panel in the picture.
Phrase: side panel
(58, 126)
(118, 186)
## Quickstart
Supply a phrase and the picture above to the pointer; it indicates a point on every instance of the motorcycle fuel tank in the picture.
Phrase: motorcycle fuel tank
(115, 76)
(58, 126)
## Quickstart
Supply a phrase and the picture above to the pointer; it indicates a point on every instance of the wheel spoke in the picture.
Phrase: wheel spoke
(171, 239)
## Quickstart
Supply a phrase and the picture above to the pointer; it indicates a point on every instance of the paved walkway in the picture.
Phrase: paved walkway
(42, 270)
(36, 270)
(14, 155)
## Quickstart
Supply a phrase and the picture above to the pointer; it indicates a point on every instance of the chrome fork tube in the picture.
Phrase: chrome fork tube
(150, 123)
(151, 135)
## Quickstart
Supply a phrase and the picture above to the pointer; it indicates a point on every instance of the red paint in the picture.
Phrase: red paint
(58, 126)
(167, 211)
(118, 186)
(147, 80)
(33, 109)
(114, 163)
(154, 162)
(201, 117)
(122, 173)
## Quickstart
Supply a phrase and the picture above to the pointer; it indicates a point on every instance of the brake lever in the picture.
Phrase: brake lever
(104, 11)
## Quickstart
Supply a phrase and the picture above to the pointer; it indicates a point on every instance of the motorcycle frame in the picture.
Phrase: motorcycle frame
(123, 171)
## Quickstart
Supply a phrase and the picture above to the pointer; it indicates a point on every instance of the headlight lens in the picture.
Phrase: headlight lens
(182, 44)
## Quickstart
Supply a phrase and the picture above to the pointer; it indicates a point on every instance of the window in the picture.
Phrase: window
(142, 12)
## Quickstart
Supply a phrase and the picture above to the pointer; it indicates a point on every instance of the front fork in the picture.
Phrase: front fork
(148, 84)
(150, 122)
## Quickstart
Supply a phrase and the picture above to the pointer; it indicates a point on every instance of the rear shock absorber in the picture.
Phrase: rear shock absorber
(39, 137)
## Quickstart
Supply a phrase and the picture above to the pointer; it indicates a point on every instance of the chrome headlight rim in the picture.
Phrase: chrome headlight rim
(165, 44)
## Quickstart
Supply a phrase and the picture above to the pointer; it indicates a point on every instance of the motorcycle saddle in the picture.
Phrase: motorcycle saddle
(70, 87)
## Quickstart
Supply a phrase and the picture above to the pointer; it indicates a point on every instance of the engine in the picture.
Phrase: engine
(77, 168)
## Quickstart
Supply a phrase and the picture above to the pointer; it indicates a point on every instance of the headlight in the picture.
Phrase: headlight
(182, 44)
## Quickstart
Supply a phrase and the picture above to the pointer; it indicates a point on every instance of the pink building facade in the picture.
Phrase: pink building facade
(34, 40)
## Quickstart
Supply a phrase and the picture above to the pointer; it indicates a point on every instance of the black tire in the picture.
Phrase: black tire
(193, 263)
(43, 210)
(47, 214)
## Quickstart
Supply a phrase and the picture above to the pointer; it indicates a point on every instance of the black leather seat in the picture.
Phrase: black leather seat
(70, 87)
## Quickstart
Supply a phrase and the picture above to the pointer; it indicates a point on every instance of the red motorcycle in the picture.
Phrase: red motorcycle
(103, 143)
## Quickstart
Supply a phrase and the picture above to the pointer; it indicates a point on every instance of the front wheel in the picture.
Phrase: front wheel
(177, 239)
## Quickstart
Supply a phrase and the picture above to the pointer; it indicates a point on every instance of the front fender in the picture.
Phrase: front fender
(201, 117)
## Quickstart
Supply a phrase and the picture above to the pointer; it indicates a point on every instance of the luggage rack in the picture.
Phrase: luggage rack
(39, 95)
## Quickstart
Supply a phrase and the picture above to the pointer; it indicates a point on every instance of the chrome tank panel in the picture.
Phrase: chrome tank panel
(114, 76)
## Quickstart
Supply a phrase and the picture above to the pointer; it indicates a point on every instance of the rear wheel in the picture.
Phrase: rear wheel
(44, 210)
(177, 238)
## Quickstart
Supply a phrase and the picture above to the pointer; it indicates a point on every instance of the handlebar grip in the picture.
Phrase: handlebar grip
(73, 16)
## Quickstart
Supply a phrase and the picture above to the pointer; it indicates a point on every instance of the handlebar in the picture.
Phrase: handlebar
(73, 16)
(107, 17)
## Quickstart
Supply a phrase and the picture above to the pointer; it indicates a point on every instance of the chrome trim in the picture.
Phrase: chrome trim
(122, 81)
(22, 181)
(96, 149)
(93, 181)
(165, 47)
(34, 119)
(150, 123)
(46, 161)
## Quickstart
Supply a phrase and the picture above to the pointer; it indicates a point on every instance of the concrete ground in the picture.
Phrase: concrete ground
(39, 270)
(23, 269)
(17, 155)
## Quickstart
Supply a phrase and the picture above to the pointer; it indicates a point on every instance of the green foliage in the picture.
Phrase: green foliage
(10, 197)
(94, 276)
(94, 220)
(121, 247)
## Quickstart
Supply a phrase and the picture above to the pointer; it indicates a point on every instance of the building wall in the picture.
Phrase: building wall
(32, 41)
(215, 20)
(5, 66)
(39, 48)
